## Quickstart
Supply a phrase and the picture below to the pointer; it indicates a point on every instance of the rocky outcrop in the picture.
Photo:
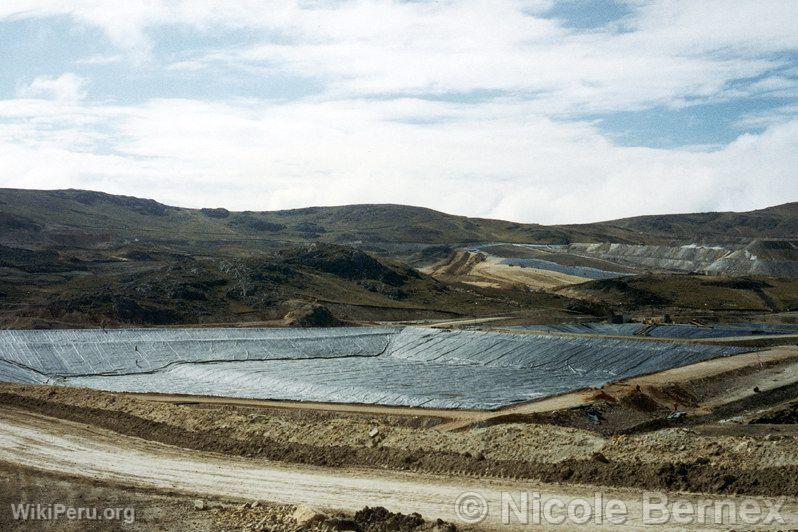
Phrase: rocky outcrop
(312, 316)
(690, 258)
(771, 258)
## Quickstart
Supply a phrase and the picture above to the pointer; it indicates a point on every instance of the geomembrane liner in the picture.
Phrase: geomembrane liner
(579, 271)
(410, 366)
(671, 330)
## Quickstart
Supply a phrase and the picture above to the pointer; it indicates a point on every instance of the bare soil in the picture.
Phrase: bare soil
(479, 269)
(540, 446)
(142, 509)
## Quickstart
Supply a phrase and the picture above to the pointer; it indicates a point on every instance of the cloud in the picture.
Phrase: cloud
(65, 87)
(484, 109)
(100, 59)
(763, 119)
(498, 162)
(663, 53)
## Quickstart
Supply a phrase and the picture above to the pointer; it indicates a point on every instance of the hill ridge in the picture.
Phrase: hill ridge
(84, 218)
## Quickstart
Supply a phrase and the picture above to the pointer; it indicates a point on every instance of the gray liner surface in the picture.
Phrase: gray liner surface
(664, 330)
(579, 271)
(413, 366)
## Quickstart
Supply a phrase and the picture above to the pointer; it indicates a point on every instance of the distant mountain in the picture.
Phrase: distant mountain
(95, 220)
(780, 221)
(78, 258)
(89, 219)
(79, 218)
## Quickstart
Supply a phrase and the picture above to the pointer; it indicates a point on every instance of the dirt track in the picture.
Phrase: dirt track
(271, 450)
(556, 446)
(69, 448)
(473, 415)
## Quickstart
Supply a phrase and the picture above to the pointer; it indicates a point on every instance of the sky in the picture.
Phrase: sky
(531, 110)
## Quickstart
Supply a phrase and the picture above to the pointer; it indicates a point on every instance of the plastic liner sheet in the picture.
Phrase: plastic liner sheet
(413, 366)
(13, 373)
(579, 271)
(611, 329)
(64, 353)
(664, 330)
(720, 331)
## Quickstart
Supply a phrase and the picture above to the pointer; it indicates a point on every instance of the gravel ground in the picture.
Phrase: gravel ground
(762, 460)
(146, 510)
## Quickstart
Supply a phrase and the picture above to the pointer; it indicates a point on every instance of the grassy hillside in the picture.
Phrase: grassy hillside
(696, 292)
(78, 258)
(91, 219)
(774, 222)
(94, 220)
(49, 289)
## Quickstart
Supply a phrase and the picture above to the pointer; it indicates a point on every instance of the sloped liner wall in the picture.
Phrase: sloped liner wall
(664, 330)
(413, 366)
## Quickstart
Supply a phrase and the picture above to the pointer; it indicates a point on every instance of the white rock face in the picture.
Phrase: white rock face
(775, 258)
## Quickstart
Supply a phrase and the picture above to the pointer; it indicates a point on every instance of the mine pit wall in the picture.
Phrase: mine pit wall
(760, 257)
(682, 258)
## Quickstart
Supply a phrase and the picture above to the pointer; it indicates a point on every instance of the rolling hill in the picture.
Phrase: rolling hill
(92, 220)
(78, 258)
(780, 221)
(307, 284)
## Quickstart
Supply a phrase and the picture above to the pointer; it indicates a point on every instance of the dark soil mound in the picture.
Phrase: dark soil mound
(312, 316)
(640, 401)
(628, 292)
(129, 311)
(379, 519)
(783, 416)
(216, 213)
(741, 283)
(348, 263)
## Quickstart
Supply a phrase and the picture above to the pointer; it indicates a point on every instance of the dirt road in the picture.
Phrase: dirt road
(69, 448)
(473, 415)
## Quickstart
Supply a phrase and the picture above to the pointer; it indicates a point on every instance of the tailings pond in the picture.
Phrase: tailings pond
(410, 366)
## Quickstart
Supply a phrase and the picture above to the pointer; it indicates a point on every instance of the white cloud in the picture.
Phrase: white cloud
(668, 52)
(100, 59)
(385, 126)
(776, 86)
(779, 115)
(499, 162)
(65, 87)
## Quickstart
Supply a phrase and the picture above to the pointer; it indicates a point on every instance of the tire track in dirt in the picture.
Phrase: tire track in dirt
(68, 448)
